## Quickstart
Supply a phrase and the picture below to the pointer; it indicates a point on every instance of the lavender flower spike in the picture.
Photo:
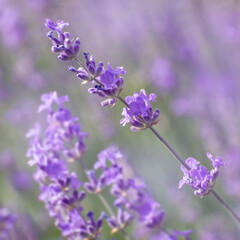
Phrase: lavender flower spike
(61, 141)
(140, 113)
(63, 45)
(198, 177)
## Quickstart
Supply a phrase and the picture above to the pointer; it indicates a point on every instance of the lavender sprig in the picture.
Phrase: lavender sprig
(138, 111)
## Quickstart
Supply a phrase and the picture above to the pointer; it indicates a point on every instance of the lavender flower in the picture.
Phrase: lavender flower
(140, 113)
(63, 141)
(110, 85)
(198, 177)
(7, 222)
(63, 44)
(131, 196)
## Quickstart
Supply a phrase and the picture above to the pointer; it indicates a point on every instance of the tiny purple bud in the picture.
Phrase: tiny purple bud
(63, 57)
(83, 76)
(72, 69)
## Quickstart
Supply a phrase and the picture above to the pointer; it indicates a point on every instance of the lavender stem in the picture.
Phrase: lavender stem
(175, 154)
(226, 206)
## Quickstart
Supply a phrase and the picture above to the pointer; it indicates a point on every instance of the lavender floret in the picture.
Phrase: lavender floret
(198, 177)
(131, 197)
(7, 223)
(140, 113)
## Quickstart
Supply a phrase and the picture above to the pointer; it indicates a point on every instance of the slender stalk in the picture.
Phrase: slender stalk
(109, 209)
(123, 101)
(106, 205)
(81, 65)
(226, 206)
(169, 147)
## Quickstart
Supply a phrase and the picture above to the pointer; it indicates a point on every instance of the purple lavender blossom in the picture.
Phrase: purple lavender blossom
(62, 141)
(63, 44)
(140, 113)
(198, 177)
(110, 85)
(131, 197)
(7, 222)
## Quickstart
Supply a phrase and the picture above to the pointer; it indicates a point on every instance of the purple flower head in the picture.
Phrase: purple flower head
(93, 69)
(140, 113)
(89, 73)
(52, 151)
(109, 85)
(49, 99)
(63, 45)
(198, 177)
(124, 218)
(108, 175)
(118, 71)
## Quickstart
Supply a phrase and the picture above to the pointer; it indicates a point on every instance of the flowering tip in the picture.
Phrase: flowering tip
(83, 76)
(72, 69)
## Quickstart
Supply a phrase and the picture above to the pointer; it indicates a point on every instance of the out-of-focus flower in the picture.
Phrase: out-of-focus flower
(131, 196)
(163, 75)
(12, 27)
(140, 113)
(62, 141)
(198, 177)
(7, 223)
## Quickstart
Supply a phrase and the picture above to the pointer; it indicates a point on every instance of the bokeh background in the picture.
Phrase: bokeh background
(187, 52)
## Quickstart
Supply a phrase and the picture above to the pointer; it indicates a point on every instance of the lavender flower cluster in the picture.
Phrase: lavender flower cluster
(198, 177)
(64, 194)
(139, 112)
